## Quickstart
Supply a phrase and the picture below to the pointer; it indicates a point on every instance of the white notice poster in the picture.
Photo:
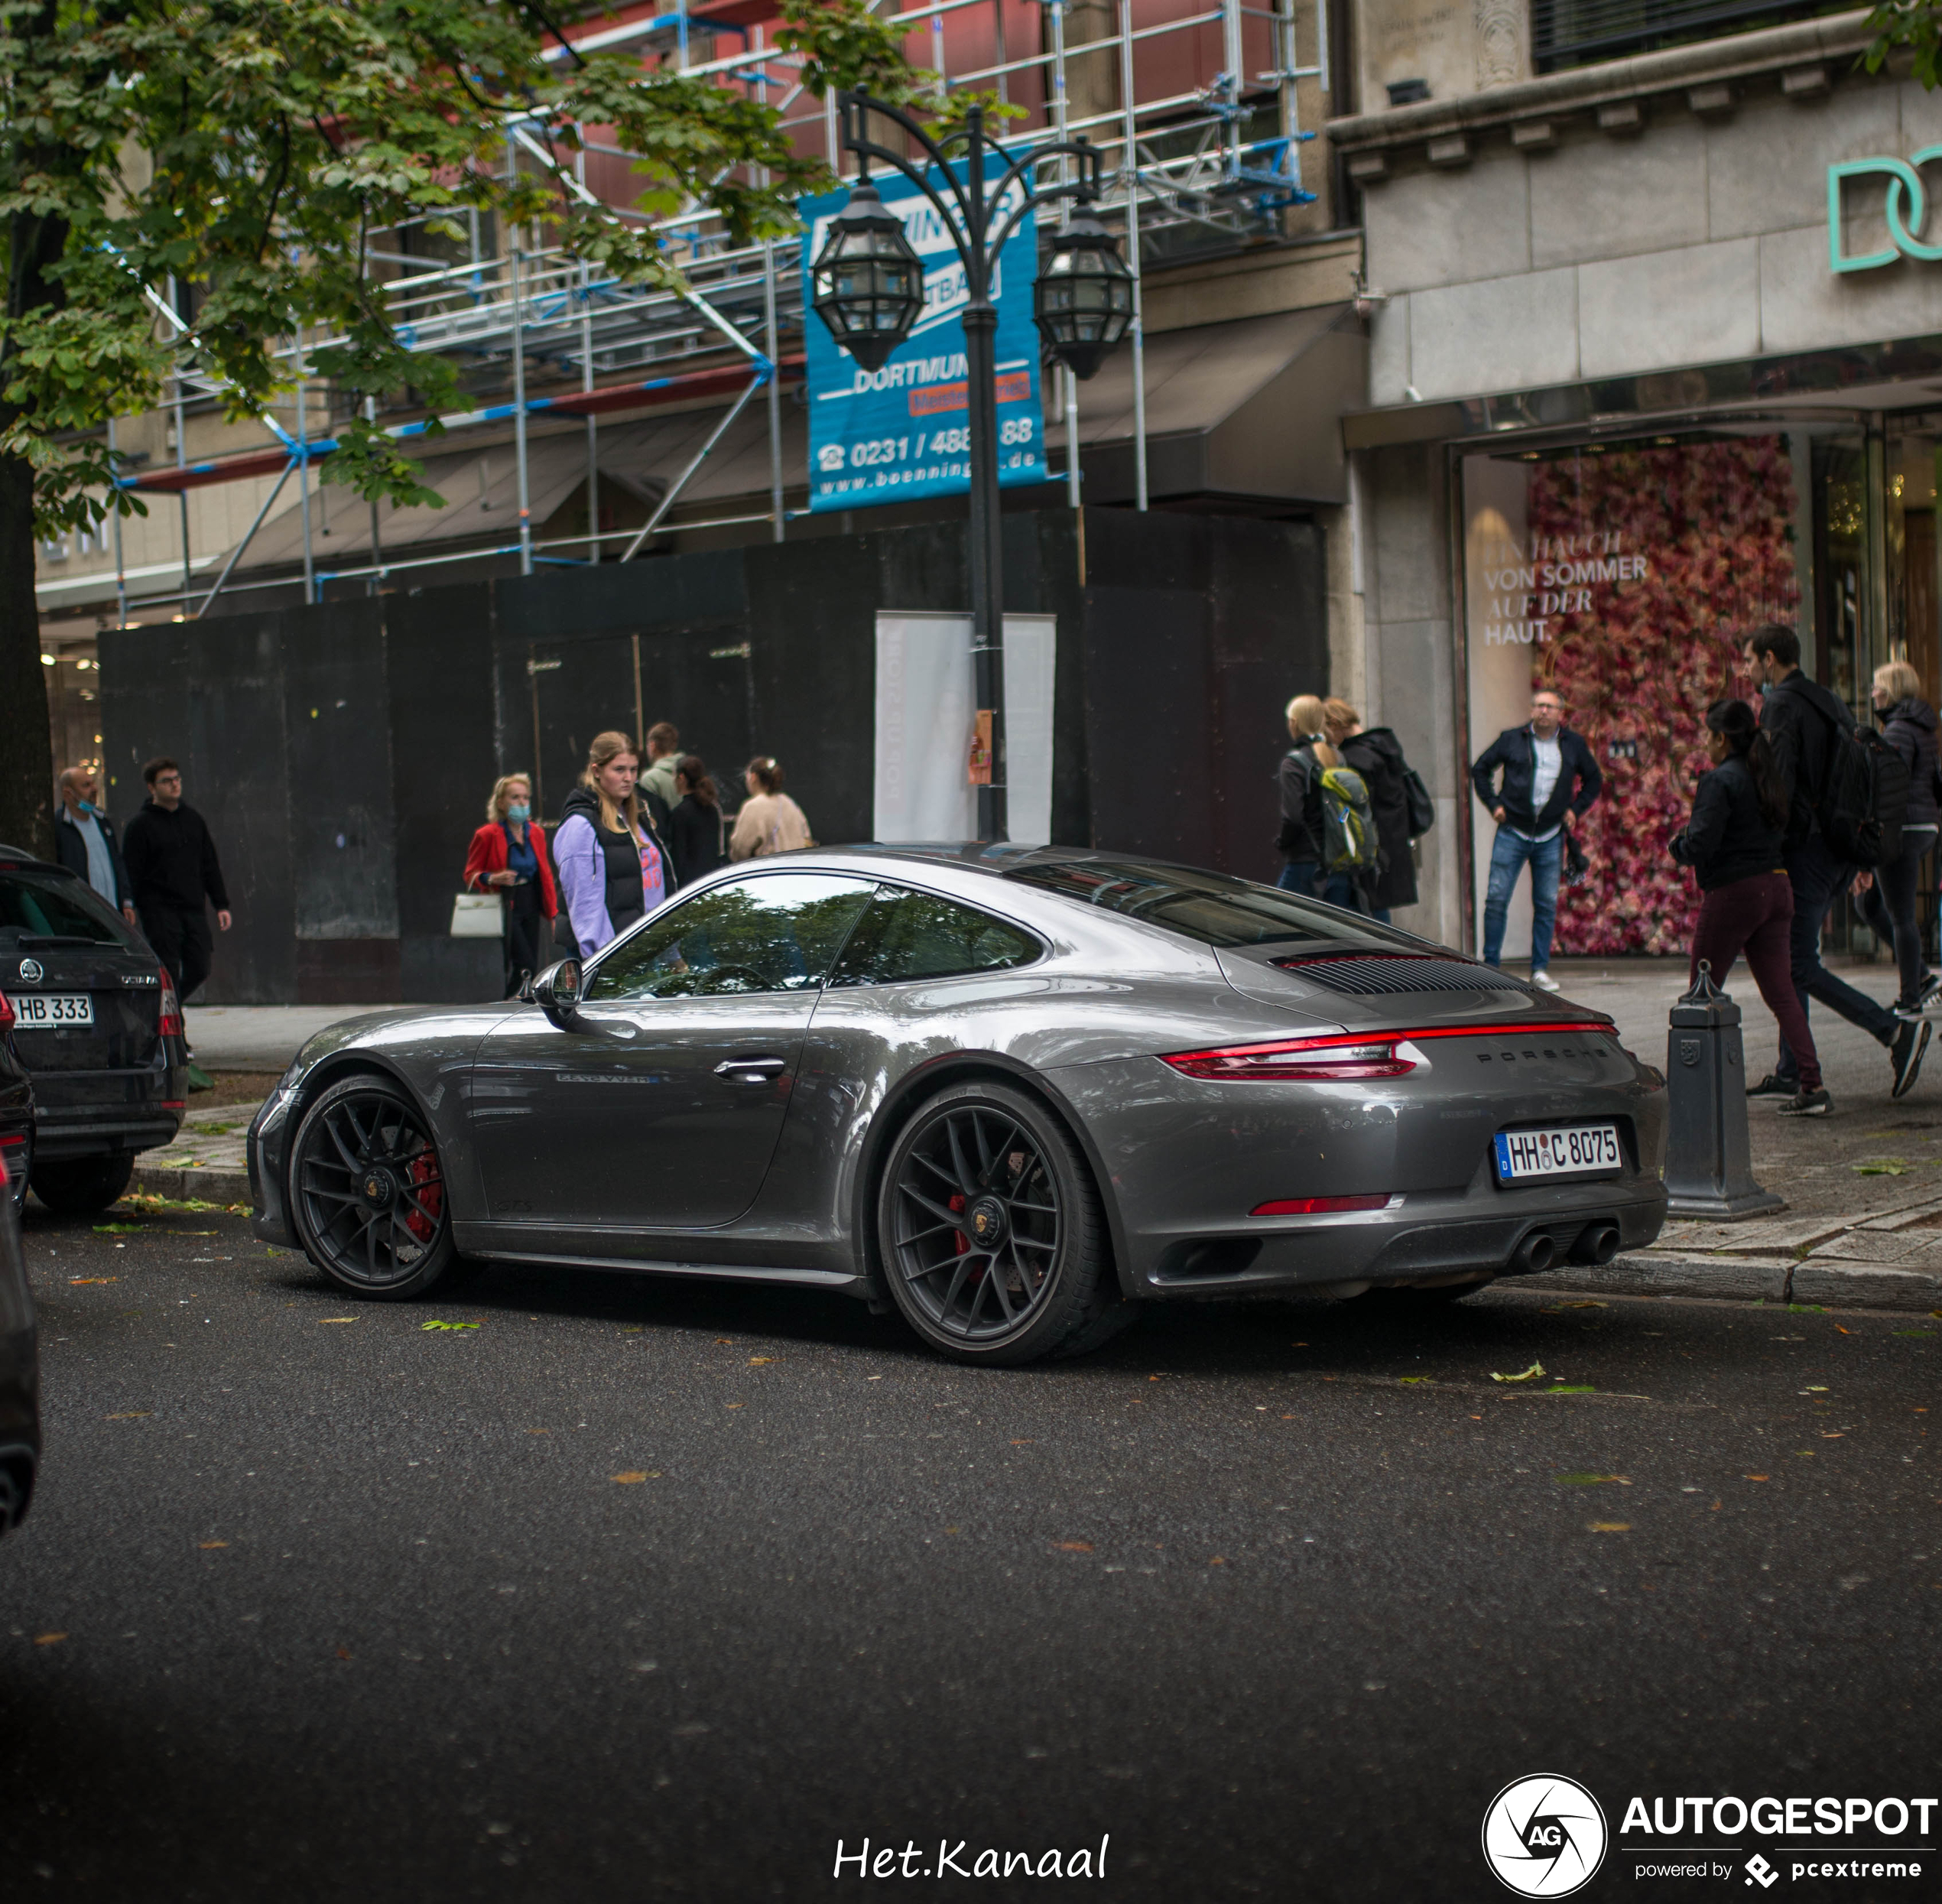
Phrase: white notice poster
(923, 719)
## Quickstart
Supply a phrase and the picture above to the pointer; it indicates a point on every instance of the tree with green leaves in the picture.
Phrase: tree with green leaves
(1914, 26)
(248, 150)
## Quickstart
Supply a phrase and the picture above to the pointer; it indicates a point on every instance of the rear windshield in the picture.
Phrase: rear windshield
(1209, 907)
(53, 908)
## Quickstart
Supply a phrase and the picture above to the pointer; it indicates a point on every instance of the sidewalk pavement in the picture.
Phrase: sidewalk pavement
(1862, 1226)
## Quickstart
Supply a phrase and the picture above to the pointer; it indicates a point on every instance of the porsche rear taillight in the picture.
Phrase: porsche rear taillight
(170, 1024)
(13, 1160)
(1310, 1060)
(6, 1013)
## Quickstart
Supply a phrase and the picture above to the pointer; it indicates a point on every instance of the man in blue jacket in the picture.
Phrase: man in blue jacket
(1531, 778)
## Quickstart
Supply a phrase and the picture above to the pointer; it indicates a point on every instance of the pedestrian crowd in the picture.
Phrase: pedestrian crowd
(627, 836)
(1800, 805)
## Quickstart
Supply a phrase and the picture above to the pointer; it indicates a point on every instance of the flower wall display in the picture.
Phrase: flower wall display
(1651, 563)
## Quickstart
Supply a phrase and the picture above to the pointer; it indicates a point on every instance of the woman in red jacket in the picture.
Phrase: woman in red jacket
(508, 853)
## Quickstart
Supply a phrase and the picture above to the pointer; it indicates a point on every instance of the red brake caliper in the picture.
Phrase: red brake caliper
(956, 1208)
(430, 1188)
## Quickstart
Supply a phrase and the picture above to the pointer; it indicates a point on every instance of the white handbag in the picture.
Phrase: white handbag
(478, 915)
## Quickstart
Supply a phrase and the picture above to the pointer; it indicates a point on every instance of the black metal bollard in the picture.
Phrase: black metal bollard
(1708, 1165)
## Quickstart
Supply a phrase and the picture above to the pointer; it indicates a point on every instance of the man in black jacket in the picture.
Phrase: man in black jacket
(1803, 719)
(85, 843)
(1547, 773)
(172, 866)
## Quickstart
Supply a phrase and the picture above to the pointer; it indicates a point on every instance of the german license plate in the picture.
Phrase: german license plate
(45, 1011)
(1566, 1150)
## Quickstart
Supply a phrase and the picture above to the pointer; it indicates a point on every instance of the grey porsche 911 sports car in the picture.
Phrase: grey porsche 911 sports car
(1014, 1092)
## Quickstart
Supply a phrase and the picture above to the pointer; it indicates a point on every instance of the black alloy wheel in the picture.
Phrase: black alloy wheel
(368, 1191)
(989, 1230)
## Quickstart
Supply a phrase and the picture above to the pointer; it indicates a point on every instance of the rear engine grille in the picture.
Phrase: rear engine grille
(1401, 972)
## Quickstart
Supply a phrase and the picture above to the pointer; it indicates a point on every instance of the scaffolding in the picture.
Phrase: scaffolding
(1198, 151)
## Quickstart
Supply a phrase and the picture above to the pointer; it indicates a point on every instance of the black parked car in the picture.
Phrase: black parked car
(16, 1112)
(19, 1375)
(96, 1023)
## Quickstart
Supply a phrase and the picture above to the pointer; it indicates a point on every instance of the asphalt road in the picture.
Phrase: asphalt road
(640, 1590)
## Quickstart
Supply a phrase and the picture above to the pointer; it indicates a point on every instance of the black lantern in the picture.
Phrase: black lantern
(869, 282)
(1083, 300)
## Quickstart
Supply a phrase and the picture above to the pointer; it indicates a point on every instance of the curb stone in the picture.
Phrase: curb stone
(185, 1184)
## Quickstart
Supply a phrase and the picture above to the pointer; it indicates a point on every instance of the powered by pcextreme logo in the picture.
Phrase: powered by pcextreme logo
(1545, 1836)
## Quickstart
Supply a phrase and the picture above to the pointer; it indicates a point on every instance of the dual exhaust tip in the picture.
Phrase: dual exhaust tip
(1597, 1243)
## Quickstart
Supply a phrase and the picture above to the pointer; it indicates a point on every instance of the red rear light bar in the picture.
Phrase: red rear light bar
(6, 1013)
(1318, 1206)
(1347, 1056)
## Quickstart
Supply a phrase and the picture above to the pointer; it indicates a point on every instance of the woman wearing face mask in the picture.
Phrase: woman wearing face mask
(614, 867)
(508, 856)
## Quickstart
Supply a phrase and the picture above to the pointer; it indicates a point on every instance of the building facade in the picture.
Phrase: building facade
(1655, 357)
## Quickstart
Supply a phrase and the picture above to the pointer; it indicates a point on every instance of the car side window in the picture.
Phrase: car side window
(772, 932)
(916, 935)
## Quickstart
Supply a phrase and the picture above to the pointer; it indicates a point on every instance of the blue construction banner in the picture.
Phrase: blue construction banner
(904, 431)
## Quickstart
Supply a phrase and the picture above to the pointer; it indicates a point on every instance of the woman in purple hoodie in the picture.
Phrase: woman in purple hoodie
(612, 867)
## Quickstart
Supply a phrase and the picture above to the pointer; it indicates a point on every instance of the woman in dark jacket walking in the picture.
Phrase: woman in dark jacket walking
(1732, 842)
(1887, 896)
(697, 833)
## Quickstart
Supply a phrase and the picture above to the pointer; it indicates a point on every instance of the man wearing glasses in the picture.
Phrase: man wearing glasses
(1547, 775)
(172, 867)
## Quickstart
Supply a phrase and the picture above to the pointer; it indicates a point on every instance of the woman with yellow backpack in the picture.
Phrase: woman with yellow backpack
(1328, 829)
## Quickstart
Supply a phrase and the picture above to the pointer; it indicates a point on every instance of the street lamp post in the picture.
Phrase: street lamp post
(869, 289)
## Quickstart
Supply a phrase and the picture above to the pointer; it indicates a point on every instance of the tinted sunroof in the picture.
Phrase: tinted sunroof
(1209, 907)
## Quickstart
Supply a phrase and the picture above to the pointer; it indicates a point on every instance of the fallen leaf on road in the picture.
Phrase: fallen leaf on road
(341, 1654)
(1755, 1477)
(725, 1342)
(1021, 1444)
(1404, 1381)
(1840, 1330)
(1073, 1546)
(118, 1228)
(435, 1324)
(206, 1544)
(1529, 1375)
(79, 1281)
(1883, 1166)
(1833, 1434)
(1219, 1560)
(1611, 1527)
(336, 1318)
(632, 1475)
(49, 1640)
(760, 1361)
(1590, 1480)
(1717, 1505)
(134, 1415)
(1571, 1388)
(1586, 1302)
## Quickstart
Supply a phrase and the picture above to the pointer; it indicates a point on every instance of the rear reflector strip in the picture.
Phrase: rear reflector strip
(1317, 1206)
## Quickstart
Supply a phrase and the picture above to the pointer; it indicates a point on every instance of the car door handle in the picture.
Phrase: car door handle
(750, 1071)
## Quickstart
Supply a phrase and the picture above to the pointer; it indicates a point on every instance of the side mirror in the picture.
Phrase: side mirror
(557, 992)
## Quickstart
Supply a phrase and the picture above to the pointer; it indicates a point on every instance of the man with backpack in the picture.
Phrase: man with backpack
(1850, 790)
(1548, 774)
